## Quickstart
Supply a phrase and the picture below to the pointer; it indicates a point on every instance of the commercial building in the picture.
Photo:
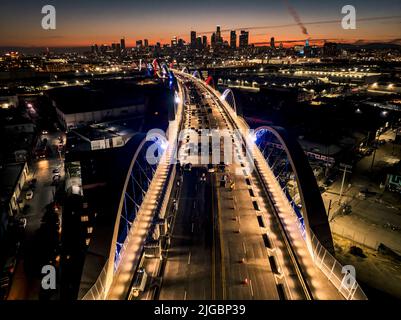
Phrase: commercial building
(233, 39)
(12, 180)
(204, 41)
(79, 106)
(193, 39)
(244, 39)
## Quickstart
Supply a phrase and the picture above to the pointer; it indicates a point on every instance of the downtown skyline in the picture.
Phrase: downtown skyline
(103, 23)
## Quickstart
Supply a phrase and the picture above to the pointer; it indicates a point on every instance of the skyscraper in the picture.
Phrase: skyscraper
(146, 42)
(122, 44)
(213, 40)
(199, 42)
(193, 39)
(204, 41)
(233, 39)
(219, 39)
(243, 39)
(272, 43)
(139, 43)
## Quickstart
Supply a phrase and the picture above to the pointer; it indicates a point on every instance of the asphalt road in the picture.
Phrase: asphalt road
(26, 280)
(187, 273)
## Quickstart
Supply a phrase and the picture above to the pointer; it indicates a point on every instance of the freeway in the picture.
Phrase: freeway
(253, 255)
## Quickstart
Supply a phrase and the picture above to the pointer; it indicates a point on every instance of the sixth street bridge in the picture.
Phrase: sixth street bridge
(198, 225)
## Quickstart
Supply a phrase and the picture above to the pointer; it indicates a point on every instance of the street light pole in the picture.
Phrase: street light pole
(374, 152)
(345, 168)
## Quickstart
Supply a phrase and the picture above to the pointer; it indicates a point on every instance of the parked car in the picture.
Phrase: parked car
(29, 195)
(22, 223)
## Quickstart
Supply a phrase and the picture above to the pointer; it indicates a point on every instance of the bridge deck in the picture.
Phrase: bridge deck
(138, 233)
(319, 284)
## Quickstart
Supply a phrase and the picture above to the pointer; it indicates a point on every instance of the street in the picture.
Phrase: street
(26, 279)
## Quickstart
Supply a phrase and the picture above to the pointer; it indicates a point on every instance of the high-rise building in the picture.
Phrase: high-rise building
(272, 43)
(94, 49)
(219, 39)
(213, 40)
(193, 39)
(146, 43)
(243, 39)
(233, 39)
(199, 42)
(330, 49)
(204, 41)
(122, 44)
(139, 43)
(174, 41)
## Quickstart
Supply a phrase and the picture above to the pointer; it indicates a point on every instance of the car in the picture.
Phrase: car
(56, 170)
(29, 195)
(188, 166)
(22, 223)
(44, 132)
(202, 178)
(56, 177)
(210, 167)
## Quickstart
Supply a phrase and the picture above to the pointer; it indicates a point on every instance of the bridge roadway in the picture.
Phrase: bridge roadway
(253, 256)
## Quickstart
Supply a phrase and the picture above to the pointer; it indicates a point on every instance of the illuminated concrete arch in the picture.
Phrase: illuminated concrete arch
(137, 181)
(164, 71)
(228, 96)
(197, 74)
(313, 212)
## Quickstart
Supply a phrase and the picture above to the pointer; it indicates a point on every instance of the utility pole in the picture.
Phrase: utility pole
(374, 151)
(344, 168)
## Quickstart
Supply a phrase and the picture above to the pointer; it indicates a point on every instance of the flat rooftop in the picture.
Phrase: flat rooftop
(99, 95)
(9, 176)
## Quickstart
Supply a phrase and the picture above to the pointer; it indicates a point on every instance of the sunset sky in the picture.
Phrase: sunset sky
(82, 23)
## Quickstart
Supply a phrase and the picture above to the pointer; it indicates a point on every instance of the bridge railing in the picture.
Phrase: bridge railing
(330, 267)
(345, 283)
(97, 291)
(161, 210)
